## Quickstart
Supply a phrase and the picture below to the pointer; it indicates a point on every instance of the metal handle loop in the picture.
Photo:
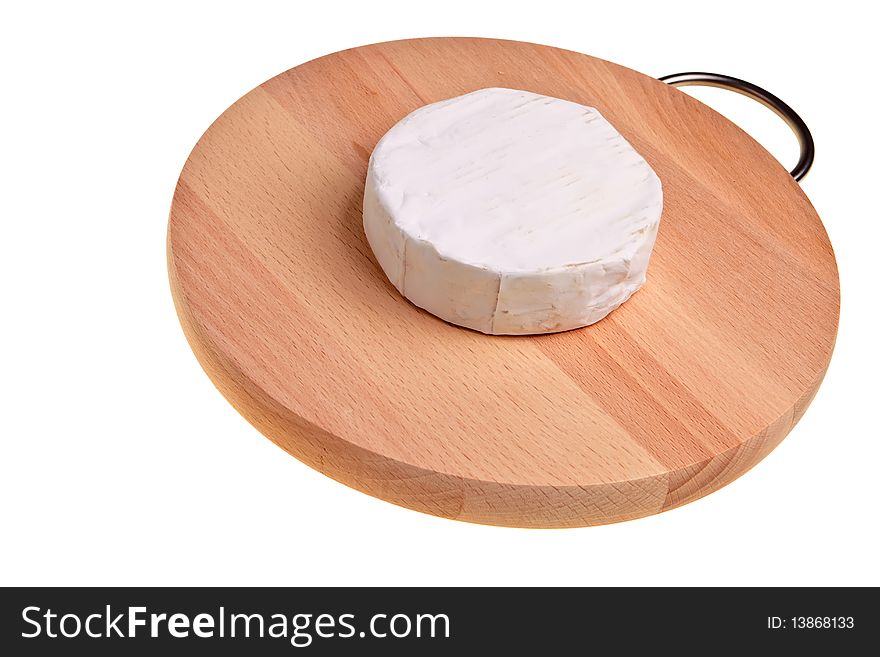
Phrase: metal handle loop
(808, 148)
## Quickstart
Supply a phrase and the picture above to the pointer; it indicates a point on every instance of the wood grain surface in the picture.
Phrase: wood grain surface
(675, 394)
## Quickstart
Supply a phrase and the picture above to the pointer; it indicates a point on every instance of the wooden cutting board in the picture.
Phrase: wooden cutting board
(675, 394)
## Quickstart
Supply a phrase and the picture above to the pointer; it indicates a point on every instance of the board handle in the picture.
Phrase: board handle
(753, 91)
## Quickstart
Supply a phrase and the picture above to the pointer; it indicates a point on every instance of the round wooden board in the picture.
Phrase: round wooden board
(678, 392)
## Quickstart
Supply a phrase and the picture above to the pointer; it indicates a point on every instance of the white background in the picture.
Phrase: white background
(122, 465)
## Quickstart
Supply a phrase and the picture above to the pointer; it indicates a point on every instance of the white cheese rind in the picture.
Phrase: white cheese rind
(512, 213)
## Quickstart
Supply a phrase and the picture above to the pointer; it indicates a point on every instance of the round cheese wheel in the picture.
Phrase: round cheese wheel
(509, 212)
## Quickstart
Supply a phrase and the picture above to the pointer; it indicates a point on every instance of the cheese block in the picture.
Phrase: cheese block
(509, 212)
